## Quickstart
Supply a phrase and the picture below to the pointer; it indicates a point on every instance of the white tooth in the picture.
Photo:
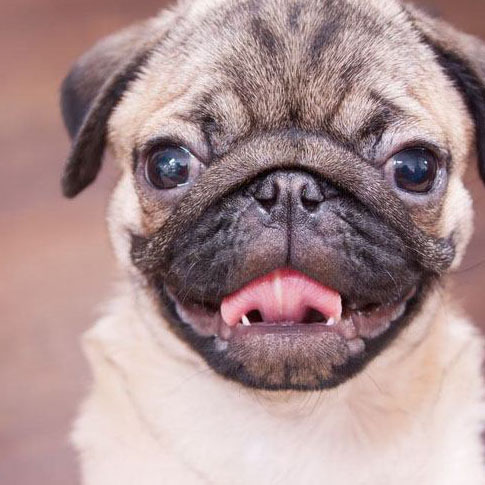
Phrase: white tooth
(331, 322)
(245, 321)
(399, 312)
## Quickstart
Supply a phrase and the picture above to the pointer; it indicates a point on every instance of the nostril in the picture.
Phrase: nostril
(266, 195)
(268, 204)
(311, 198)
(310, 205)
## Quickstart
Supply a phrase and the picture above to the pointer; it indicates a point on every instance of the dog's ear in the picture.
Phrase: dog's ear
(90, 93)
(462, 57)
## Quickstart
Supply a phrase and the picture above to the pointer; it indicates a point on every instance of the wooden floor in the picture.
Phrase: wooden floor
(56, 262)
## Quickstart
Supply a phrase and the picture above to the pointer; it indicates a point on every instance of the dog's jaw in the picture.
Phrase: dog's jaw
(288, 355)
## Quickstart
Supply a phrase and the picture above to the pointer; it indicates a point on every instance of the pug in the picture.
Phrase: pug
(290, 205)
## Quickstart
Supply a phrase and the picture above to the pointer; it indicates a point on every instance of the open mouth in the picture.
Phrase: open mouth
(288, 303)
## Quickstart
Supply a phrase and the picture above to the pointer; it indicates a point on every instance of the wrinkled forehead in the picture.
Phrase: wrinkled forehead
(240, 67)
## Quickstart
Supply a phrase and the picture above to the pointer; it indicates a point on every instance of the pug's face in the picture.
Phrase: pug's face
(291, 191)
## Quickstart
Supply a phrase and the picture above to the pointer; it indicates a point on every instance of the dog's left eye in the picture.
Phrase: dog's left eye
(415, 170)
(168, 167)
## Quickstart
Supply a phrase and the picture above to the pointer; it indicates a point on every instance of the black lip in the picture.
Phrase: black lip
(207, 346)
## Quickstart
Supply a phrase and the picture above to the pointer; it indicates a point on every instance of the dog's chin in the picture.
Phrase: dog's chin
(313, 354)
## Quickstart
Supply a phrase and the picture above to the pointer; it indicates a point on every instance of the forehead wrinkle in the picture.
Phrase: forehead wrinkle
(223, 118)
(293, 137)
(220, 108)
(417, 121)
(375, 122)
(281, 94)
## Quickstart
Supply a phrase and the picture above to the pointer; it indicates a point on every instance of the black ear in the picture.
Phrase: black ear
(462, 57)
(90, 93)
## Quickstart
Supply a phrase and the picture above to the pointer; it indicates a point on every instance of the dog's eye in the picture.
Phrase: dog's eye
(415, 170)
(168, 167)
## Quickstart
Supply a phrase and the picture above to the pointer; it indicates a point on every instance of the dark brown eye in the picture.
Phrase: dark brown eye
(415, 170)
(169, 167)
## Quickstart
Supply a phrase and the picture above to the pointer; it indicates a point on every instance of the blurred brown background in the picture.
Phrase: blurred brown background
(56, 261)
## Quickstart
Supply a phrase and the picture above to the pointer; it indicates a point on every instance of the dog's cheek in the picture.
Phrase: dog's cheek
(125, 217)
(225, 243)
(457, 218)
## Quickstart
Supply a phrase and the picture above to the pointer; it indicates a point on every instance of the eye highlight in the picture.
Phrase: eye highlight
(168, 167)
(415, 170)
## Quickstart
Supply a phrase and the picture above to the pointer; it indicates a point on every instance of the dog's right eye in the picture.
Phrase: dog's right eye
(168, 167)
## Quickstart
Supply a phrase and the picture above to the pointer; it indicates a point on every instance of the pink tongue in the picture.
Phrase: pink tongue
(284, 295)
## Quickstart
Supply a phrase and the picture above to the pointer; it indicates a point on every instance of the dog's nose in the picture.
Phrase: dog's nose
(290, 189)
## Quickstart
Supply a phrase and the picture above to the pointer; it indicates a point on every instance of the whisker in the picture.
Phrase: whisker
(469, 268)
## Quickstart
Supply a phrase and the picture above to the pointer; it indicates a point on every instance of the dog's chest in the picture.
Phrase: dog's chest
(213, 447)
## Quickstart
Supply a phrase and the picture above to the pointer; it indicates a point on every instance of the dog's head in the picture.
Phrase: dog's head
(291, 188)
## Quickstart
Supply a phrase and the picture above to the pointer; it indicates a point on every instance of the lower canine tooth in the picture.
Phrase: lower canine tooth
(245, 321)
(399, 312)
(331, 322)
